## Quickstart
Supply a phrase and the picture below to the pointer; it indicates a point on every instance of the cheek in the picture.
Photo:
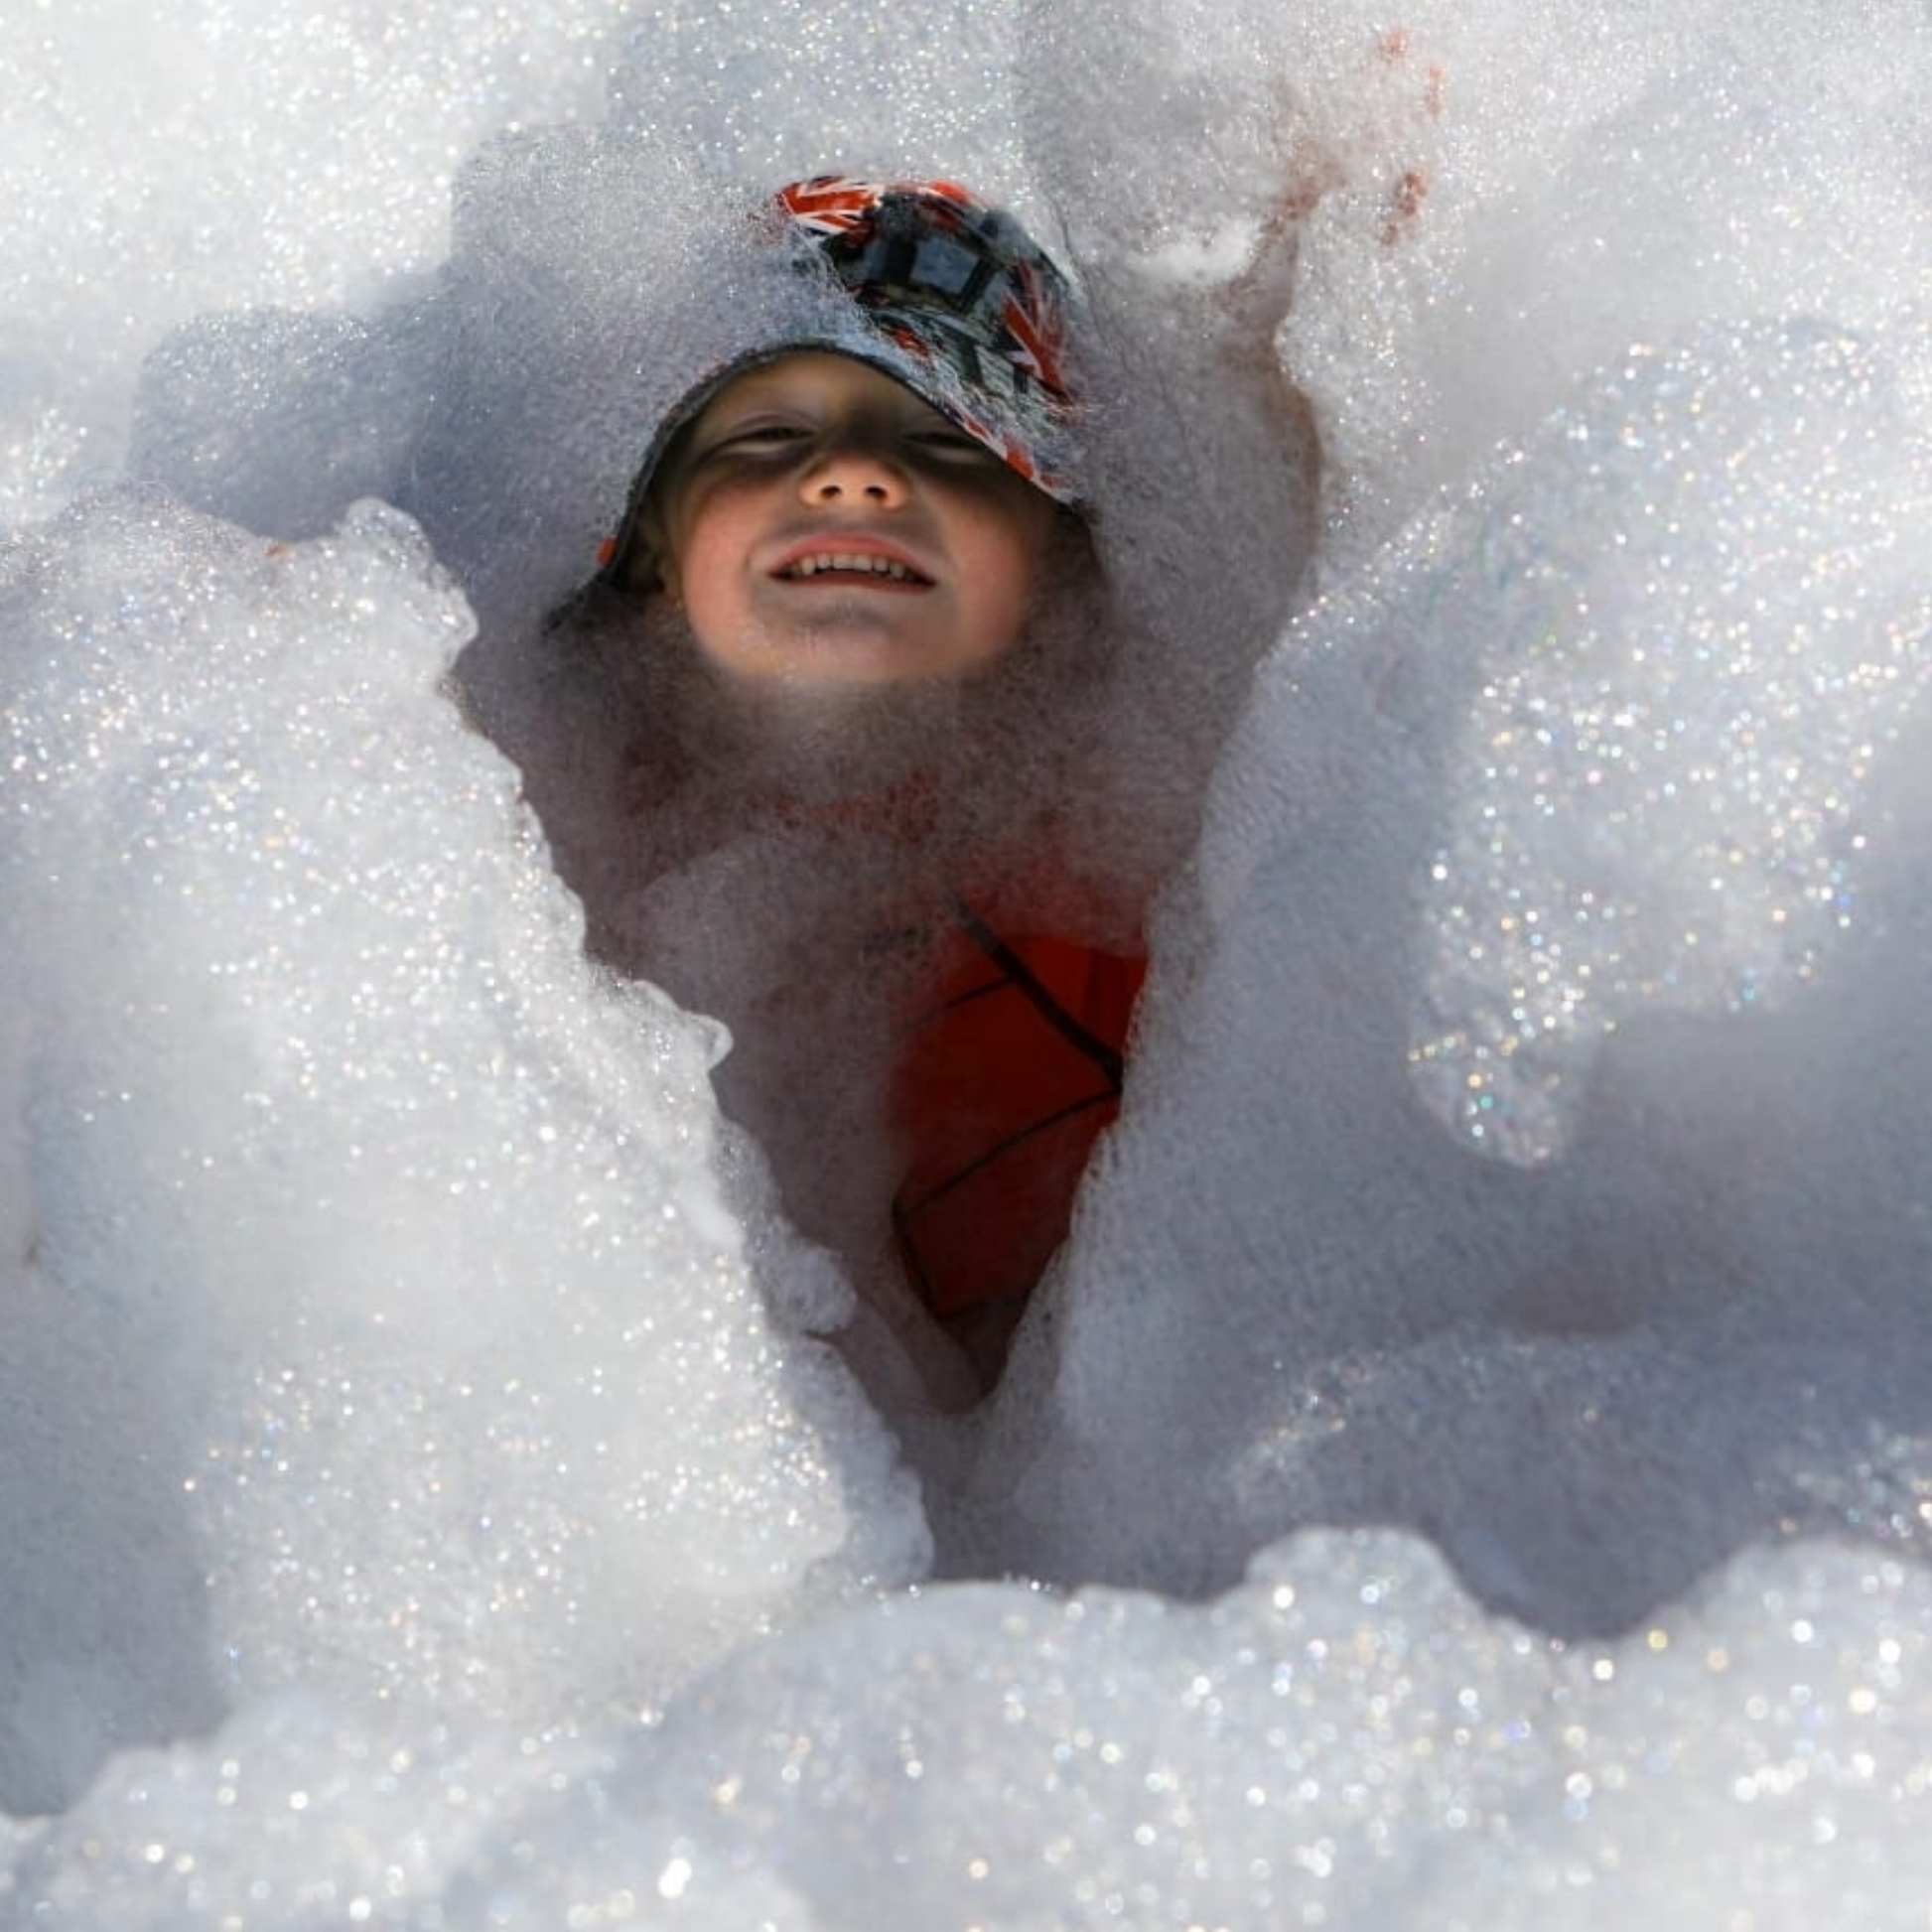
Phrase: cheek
(707, 600)
(1006, 566)
(699, 549)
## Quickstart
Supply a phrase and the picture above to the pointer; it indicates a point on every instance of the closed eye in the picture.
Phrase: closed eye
(949, 444)
(754, 437)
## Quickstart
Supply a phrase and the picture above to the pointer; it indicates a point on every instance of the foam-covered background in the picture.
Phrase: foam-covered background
(1473, 1463)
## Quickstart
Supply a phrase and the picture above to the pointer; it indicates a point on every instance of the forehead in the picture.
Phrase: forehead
(816, 378)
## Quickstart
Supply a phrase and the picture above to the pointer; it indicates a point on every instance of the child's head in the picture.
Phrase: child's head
(876, 502)
(818, 521)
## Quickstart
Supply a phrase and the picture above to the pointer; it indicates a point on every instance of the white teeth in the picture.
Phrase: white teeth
(839, 560)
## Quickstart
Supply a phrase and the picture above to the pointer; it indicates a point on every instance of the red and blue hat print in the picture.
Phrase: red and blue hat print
(975, 308)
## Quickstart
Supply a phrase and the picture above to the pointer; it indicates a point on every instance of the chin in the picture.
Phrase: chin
(846, 664)
(847, 653)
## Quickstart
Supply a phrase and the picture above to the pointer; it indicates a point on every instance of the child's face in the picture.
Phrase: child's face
(821, 525)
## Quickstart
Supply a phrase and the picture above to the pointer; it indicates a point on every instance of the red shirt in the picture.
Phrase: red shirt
(1007, 1080)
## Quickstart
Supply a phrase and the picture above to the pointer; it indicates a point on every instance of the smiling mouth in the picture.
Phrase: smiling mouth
(848, 565)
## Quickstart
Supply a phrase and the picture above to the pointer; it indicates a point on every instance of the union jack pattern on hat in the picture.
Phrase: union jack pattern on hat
(962, 288)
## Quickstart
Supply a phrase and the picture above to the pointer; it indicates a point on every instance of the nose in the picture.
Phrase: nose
(852, 474)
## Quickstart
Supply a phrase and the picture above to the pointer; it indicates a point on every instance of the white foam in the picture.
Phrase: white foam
(226, 156)
(1343, 1740)
(452, 1367)
(772, 94)
(391, 1413)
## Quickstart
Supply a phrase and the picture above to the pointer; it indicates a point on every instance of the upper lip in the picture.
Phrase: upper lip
(826, 544)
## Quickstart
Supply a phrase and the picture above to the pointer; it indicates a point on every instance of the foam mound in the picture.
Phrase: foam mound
(1473, 1461)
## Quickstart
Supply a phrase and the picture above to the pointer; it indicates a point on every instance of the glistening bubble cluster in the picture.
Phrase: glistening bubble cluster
(1665, 792)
